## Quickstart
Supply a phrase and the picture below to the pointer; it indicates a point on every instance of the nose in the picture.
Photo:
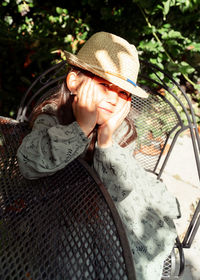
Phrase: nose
(112, 96)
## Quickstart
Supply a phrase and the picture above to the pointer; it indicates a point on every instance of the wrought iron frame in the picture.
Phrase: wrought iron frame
(25, 205)
(178, 129)
(192, 126)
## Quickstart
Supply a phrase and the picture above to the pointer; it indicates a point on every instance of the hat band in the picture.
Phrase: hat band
(130, 81)
(121, 77)
(114, 74)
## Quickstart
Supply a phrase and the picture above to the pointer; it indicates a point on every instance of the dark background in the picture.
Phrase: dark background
(165, 33)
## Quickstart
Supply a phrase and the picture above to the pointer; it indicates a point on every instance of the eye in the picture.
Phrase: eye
(124, 94)
(105, 85)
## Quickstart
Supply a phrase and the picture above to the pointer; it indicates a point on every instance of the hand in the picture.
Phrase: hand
(85, 106)
(106, 130)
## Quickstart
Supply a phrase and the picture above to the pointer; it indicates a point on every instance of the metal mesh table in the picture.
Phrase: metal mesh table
(63, 226)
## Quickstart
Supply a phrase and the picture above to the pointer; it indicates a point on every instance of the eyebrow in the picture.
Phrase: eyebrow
(111, 84)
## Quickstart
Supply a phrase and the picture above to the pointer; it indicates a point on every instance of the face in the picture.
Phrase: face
(110, 98)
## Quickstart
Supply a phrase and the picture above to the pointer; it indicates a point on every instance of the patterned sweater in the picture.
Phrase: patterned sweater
(145, 206)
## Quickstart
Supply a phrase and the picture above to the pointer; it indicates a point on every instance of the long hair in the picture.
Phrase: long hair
(62, 100)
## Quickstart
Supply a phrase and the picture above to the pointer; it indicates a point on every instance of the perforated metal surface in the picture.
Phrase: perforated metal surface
(167, 268)
(171, 265)
(59, 227)
(154, 120)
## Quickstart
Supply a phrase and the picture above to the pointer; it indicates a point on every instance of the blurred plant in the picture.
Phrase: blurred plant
(166, 33)
(30, 33)
(168, 44)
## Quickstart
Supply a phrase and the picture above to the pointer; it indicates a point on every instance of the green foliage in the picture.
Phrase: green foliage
(31, 36)
(32, 33)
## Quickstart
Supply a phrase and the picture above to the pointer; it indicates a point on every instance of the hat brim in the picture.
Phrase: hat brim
(123, 84)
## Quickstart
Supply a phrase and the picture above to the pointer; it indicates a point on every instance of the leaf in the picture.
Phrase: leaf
(172, 67)
(59, 10)
(5, 3)
(175, 34)
(8, 19)
(167, 25)
(154, 76)
(68, 38)
(65, 11)
(149, 30)
(166, 6)
(196, 46)
(151, 46)
(185, 68)
(153, 60)
(52, 19)
(172, 34)
(23, 9)
(83, 36)
(197, 87)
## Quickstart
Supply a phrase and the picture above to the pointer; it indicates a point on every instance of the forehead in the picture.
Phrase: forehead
(101, 80)
(96, 78)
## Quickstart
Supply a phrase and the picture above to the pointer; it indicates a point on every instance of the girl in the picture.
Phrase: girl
(89, 116)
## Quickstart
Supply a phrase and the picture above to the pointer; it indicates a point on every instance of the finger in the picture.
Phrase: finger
(91, 95)
(81, 93)
(126, 110)
(86, 91)
(121, 115)
(128, 106)
(98, 98)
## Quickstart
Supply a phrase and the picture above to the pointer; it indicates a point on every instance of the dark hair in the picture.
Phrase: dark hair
(62, 99)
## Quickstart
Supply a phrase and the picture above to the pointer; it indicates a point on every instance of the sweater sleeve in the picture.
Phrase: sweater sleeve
(113, 165)
(123, 176)
(50, 147)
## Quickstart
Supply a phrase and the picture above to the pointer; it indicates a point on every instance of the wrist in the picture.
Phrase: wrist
(106, 145)
(104, 141)
(87, 131)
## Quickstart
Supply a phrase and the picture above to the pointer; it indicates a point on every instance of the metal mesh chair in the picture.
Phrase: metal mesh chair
(60, 227)
(158, 122)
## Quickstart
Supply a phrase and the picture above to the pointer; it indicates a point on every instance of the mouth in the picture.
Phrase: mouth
(105, 110)
(109, 110)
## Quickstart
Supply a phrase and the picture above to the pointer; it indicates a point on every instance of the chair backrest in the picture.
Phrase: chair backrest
(60, 227)
(159, 119)
(44, 85)
(164, 115)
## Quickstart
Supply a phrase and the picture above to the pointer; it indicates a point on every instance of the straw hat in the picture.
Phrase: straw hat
(112, 58)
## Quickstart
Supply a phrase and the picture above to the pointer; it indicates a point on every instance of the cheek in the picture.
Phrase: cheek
(121, 103)
(101, 94)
